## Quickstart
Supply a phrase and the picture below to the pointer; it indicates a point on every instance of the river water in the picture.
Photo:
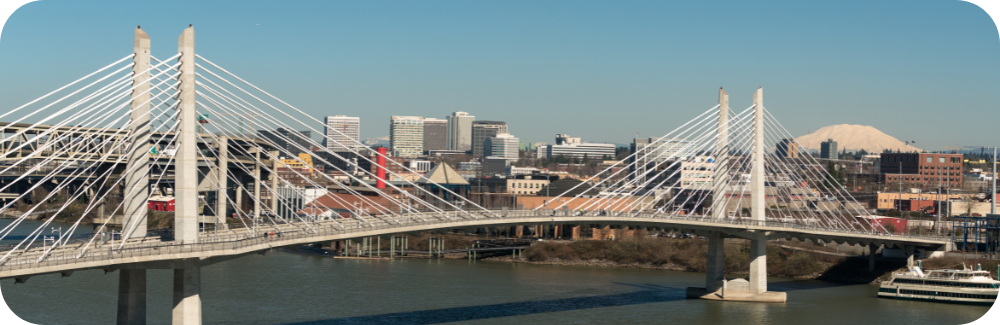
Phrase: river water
(280, 288)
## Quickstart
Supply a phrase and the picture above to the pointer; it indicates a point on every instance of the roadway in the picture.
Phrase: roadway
(153, 253)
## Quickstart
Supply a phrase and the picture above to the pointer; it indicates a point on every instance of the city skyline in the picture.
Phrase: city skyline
(192, 180)
(652, 64)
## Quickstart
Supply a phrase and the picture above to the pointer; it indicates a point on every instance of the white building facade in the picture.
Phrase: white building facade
(342, 132)
(406, 135)
(503, 146)
(596, 151)
(697, 173)
(459, 135)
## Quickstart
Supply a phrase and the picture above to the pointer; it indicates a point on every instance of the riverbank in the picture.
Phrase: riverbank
(799, 260)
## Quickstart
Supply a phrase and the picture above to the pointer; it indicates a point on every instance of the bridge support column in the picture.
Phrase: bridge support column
(274, 180)
(187, 293)
(908, 249)
(131, 297)
(714, 277)
(758, 263)
(256, 186)
(872, 248)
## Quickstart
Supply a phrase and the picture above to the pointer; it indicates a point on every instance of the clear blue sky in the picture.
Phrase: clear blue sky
(603, 70)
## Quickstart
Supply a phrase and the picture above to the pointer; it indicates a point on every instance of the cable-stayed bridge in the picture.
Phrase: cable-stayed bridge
(108, 142)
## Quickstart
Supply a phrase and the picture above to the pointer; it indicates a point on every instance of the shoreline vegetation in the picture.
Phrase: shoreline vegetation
(792, 259)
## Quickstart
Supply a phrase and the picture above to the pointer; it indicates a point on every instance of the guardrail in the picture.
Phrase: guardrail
(235, 241)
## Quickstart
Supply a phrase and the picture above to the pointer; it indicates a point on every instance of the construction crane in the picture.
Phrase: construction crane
(956, 148)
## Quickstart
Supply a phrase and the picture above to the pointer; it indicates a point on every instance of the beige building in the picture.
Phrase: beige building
(526, 186)
(887, 201)
(697, 173)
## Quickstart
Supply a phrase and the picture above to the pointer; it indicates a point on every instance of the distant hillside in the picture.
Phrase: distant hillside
(371, 142)
(853, 138)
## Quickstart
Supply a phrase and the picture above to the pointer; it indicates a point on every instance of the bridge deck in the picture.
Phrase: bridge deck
(240, 241)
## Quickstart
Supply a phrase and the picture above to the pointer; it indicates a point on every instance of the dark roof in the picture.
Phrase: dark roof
(561, 187)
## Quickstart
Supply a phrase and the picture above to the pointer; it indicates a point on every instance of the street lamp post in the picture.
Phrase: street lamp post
(46, 239)
(993, 199)
(59, 231)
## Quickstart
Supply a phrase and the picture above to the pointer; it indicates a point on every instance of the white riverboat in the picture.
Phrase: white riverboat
(965, 286)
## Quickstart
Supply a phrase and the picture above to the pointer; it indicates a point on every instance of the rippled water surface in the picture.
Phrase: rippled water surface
(284, 288)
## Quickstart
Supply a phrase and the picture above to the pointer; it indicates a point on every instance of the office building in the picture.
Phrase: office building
(495, 166)
(542, 151)
(573, 147)
(697, 173)
(481, 130)
(406, 136)
(922, 170)
(595, 151)
(828, 149)
(502, 146)
(435, 134)
(459, 135)
(293, 142)
(788, 148)
(566, 139)
(342, 132)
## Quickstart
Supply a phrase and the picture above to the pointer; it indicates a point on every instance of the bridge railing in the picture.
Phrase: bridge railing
(236, 240)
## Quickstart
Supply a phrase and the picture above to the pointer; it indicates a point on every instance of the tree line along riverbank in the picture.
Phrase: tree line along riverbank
(795, 259)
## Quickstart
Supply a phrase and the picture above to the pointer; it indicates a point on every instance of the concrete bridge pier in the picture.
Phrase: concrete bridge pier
(714, 273)
(872, 248)
(187, 293)
(758, 263)
(908, 250)
(131, 297)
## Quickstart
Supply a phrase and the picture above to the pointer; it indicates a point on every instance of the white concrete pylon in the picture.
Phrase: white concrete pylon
(758, 207)
(186, 162)
(757, 192)
(721, 157)
(187, 279)
(137, 181)
(223, 185)
(275, 163)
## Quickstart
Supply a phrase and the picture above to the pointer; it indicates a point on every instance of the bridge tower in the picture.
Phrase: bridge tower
(717, 287)
(187, 277)
(758, 204)
(716, 241)
(132, 282)
(137, 167)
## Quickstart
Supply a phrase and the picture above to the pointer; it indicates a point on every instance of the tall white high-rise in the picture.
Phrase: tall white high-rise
(342, 132)
(406, 135)
(503, 146)
(460, 131)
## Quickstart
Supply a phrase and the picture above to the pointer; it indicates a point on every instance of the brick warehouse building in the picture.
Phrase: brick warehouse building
(922, 170)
